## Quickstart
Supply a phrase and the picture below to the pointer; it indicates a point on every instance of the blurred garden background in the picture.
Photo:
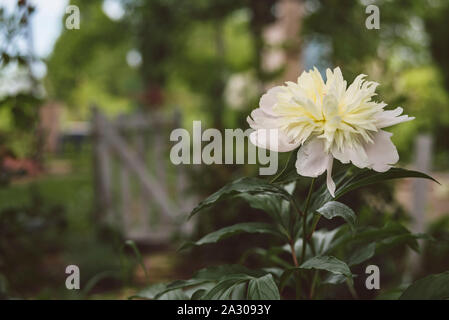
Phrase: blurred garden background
(86, 115)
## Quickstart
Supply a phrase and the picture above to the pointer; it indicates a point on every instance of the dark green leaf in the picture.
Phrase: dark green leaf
(369, 177)
(285, 277)
(334, 209)
(362, 254)
(369, 235)
(150, 292)
(223, 271)
(335, 279)
(177, 294)
(433, 287)
(204, 278)
(224, 288)
(238, 292)
(248, 227)
(328, 263)
(289, 172)
(353, 178)
(276, 207)
(243, 185)
(263, 288)
(198, 294)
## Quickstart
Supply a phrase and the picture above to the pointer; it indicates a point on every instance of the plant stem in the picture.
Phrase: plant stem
(304, 221)
(352, 289)
(283, 170)
(295, 260)
(312, 289)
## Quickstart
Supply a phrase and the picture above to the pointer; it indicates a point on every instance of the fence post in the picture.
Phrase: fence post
(102, 169)
(422, 163)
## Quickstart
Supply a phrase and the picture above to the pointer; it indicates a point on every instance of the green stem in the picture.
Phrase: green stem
(292, 248)
(304, 221)
(309, 237)
(283, 170)
(352, 289)
(312, 289)
(296, 273)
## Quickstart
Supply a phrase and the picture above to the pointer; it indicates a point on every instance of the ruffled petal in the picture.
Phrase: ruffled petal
(356, 155)
(312, 159)
(272, 139)
(329, 181)
(391, 117)
(382, 153)
(269, 100)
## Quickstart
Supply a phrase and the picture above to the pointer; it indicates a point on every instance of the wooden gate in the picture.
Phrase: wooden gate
(138, 190)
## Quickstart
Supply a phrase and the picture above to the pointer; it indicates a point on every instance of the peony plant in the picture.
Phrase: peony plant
(316, 121)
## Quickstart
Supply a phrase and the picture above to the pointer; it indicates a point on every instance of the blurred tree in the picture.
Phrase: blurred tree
(92, 59)
(438, 30)
(18, 103)
(341, 23)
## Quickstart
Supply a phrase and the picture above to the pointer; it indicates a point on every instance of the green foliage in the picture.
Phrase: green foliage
(263, 288)
(326, 257)
(328, 263)
(433, 287)
(244, 185)
(248, 227)
(334, 209)
(217, 283)
(27, 234)
(98, 48)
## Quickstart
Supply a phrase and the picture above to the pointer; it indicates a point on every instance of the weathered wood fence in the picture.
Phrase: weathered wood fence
(138, 190)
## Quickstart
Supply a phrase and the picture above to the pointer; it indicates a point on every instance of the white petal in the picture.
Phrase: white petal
(330, 183)
(382, 154)
(391, 117)
(312, 159)
(272, 139)
(269, 100)
(357, 156)
(261, 120)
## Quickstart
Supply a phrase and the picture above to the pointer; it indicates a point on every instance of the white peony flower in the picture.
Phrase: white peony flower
(329, 120)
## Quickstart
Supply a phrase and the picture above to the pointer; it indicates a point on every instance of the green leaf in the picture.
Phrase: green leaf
(263, 288)
(198, 294)
(328, 263)
(276, 207)
(238, 292)
(433, 287)
(353, 178)
(136, 251)
(322, 241)
(389, 235)
(362, 254)
(334, 209)
(288, 173)
(174, 295)
(150, 292)
(224, 288)
(223, 271)
(248, 227)
(243, 185)
(335, 279)
(285, 277)
(369, 177)
(202, 279)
